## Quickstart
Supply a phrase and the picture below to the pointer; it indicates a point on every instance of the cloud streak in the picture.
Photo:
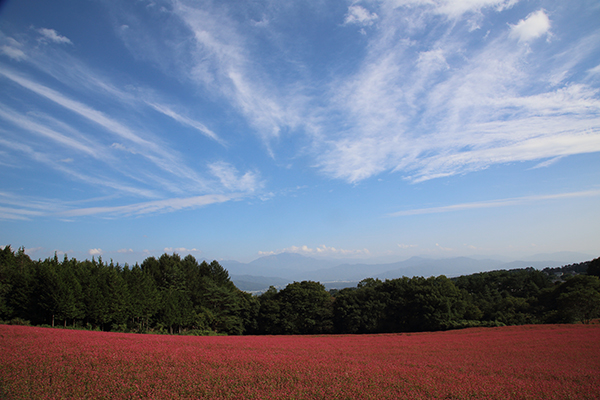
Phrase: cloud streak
(425, 105)
(14, 207)
(495, 203)
(417, 108)
(158, 155)
(151, 207)
(435, 88)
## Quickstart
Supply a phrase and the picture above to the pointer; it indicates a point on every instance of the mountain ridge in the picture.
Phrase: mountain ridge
(283, 268)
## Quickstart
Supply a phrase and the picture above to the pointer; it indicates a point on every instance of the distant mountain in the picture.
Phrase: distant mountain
(347, 272)
(280, 269)
(292, 262)
(563, 257)
(284, 265)
(532, 264)
(414, 266)
(450, 267)
(250, 283)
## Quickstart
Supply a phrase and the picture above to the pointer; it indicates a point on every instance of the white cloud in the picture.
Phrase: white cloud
(547, 163)
(495, 203)
(427, 113)
(26, 122)
(407, 246)
(180, 250)
(13, 52)
(360, 16)
(62, 167)
(266, 253)
(23, 208)
(31, 251)
(432, 60)
(595, 70)
(437, 246)
(185, 120)
(534, 26)
(13, 213)
(454, 8)
(151, 207)
(161, 156)
(53, 36)
(220, 61)
(321, 250)
(231, 179)
(95, 252)
(424, 102)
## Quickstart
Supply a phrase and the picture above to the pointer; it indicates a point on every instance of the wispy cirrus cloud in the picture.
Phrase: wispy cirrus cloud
(216, 56)
(159, 155)
(458, 103)
(166, 110)
(14, 207)
(427, 95)
(91, 179)
(170, 172)
(452, 8)
(495, 203)
(74, 73)
(28, 123)
(151, 207)
(432, 96)
(168, 167)
(13, 52)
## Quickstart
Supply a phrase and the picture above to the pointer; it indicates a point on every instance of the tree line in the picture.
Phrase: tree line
(171, 294)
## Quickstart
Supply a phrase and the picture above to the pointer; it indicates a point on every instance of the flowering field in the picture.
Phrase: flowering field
(526, 362)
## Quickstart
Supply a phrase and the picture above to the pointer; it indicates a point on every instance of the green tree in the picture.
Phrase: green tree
(269, 312)
(594, 267)
(360, 309)
(579, 299)
(19, 285)
(305, 308)
(143, 297)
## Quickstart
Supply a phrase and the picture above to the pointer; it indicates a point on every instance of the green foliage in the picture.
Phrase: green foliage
(575, 300)
(361, 310)
(168, 294)
(301, 308)
(511, 297)
(594, 267)
(172, 295)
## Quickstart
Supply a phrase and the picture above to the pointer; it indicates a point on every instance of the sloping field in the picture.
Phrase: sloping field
(526, 362)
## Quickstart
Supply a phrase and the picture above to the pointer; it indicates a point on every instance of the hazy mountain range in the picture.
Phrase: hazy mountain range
(280, 269)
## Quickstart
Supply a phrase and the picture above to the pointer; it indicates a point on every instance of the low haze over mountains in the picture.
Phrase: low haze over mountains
(281, 269)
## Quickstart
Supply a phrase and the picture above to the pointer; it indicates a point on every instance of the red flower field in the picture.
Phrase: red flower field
(526, 362)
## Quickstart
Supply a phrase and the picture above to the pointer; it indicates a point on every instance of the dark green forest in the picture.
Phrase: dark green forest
(178, 295)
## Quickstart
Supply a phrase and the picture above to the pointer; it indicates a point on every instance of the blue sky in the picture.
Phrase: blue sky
(338, 129)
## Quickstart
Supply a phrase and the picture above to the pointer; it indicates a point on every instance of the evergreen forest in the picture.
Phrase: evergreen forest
(174, 295)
